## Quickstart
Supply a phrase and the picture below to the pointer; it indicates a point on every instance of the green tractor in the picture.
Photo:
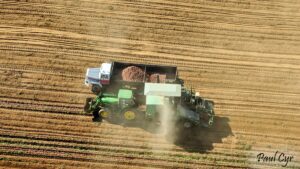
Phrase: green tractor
(138, 93)
(120, 106)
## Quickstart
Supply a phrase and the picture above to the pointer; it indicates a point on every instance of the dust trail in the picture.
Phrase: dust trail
(165, 129)
(167, 118)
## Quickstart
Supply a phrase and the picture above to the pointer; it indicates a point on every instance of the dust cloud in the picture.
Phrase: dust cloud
(167, 118)
(166, 128)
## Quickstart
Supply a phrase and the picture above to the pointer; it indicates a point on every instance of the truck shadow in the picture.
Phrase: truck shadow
(202, 139)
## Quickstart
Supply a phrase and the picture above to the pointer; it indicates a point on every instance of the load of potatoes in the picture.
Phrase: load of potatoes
(136, 74)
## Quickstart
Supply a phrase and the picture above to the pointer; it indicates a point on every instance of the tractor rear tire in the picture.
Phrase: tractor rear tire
(130, 116)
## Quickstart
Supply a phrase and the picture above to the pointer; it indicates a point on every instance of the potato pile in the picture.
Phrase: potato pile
(136, 74)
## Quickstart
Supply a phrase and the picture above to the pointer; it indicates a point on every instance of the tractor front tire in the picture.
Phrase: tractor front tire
(105, 113)
(97, 117)
(87, 105)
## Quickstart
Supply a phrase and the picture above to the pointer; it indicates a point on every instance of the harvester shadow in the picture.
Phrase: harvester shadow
(198, 139)
(202, 139)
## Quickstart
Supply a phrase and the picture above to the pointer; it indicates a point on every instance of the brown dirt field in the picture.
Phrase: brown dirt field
(244, 55)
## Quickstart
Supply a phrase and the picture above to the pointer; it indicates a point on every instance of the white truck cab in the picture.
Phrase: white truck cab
(98, 76)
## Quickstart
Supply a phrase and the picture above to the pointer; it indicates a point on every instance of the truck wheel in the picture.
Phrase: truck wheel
(96, 89)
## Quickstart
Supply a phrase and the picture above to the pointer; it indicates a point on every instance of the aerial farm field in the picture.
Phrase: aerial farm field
(244, 55)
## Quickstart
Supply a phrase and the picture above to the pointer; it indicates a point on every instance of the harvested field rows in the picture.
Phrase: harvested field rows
(244, 55)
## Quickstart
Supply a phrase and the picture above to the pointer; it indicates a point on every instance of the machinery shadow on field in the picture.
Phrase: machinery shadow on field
(202, 139)
(198, 139)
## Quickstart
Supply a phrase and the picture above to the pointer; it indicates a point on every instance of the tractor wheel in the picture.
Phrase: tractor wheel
(130, 116)
(104, 113)
(87, 104)
(97, 117)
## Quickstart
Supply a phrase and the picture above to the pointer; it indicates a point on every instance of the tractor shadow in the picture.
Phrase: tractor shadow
(202, 139)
